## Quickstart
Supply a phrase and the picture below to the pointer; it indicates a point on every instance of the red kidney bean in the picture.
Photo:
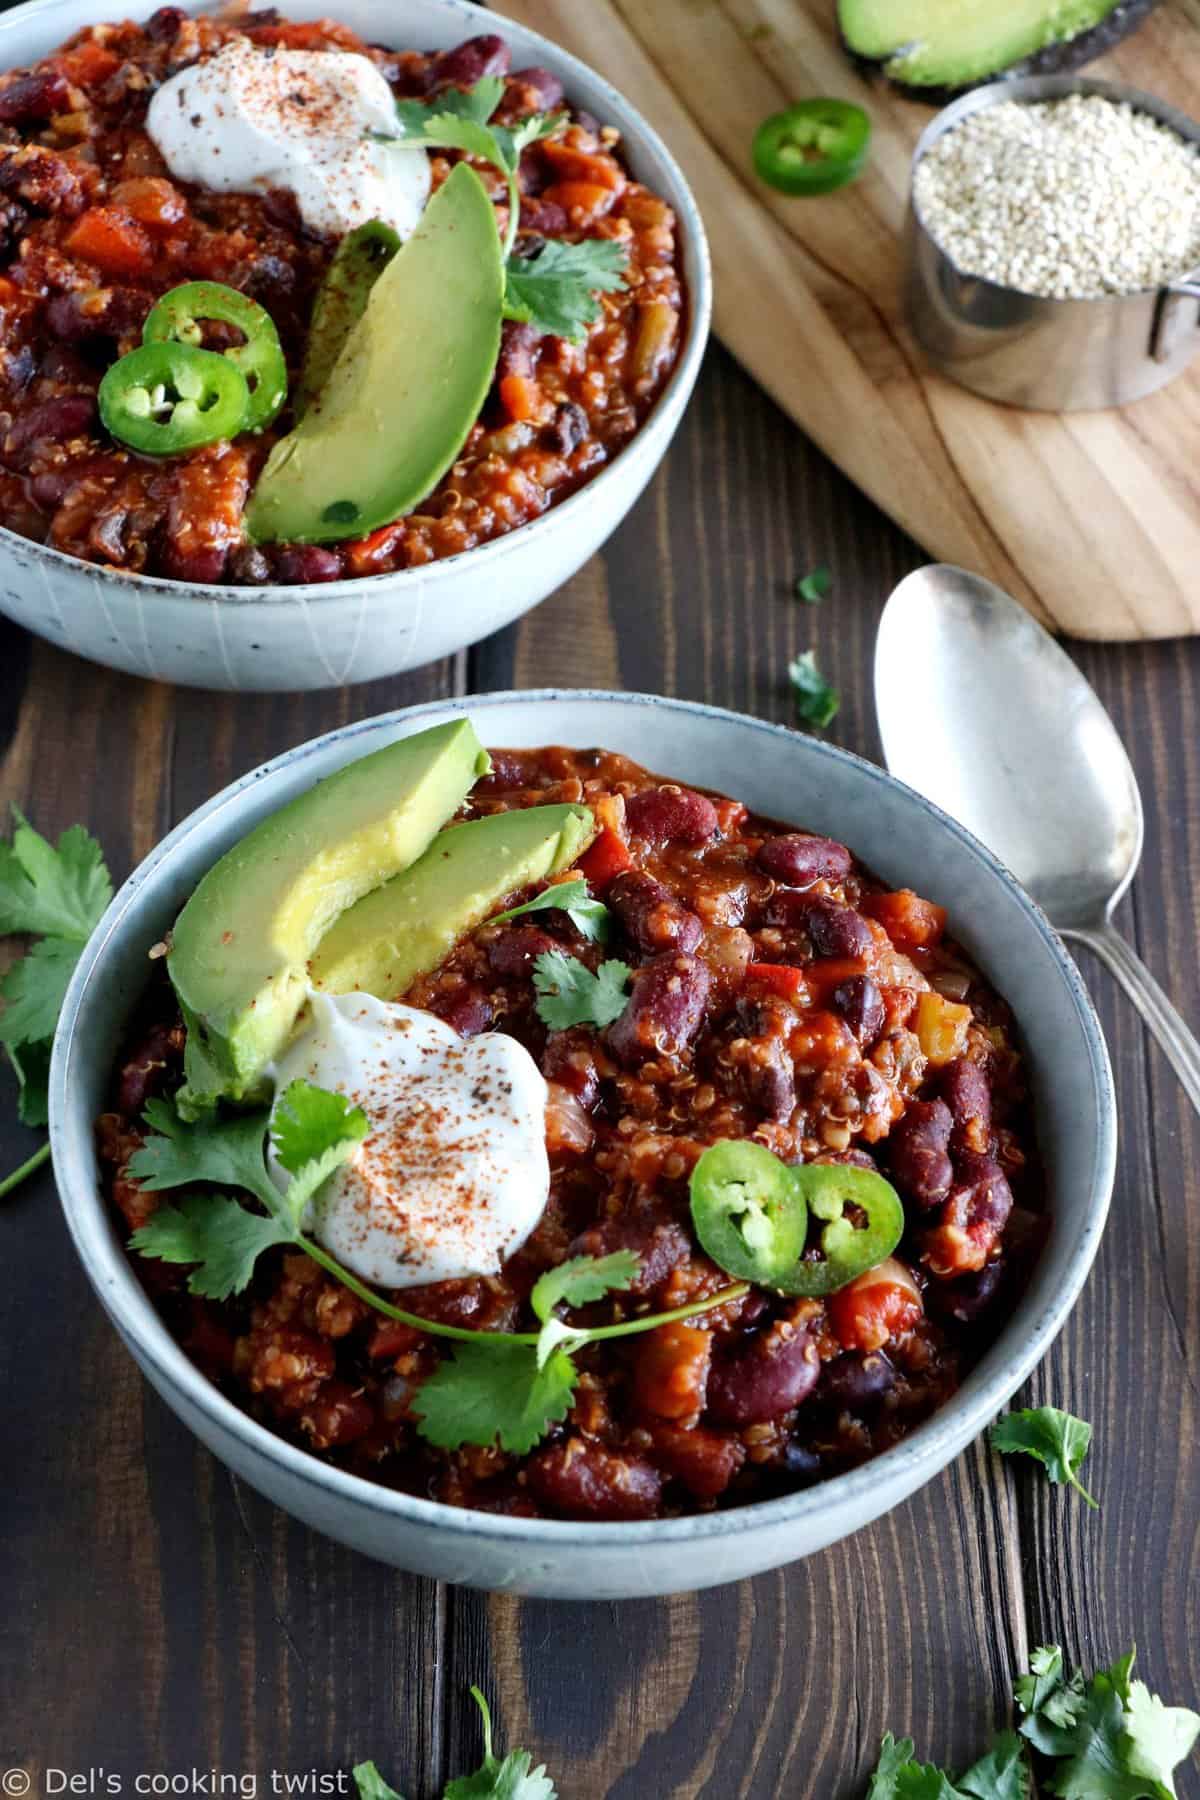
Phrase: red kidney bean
(671, 815)
(651, 915)
(545, 216)
(967, 1299)
(34, 96)
(469, 1009)
(469, 62)
(659, 1248)
(164, 24)
(297, 563)
(547, 89)
(981, 1194)
(69, 416)
(766, 1076)
(965, 1089)
(799, 859)
(774, 1373)
(570, 1059)
(855, 1380)
(832, 930)
(204, 563)
(511, 953)
(586, 1481)
(664, 1012)
(860, 1003)
(917, 1152)
(517, 345)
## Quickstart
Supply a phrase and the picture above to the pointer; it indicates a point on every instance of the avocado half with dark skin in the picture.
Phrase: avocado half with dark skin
(934, 49)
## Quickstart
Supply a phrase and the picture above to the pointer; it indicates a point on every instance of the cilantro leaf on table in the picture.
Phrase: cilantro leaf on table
(1110, 1737)
(370, 1783)
(813, 700)
(556, 288)
(1057, 1439)
(813, 587)
(52, 892)
(494, 1390)
(569, 994)
(513, 1779)
(56, 895)
(1003, 1774)
(216, 1233)
(591, 917)
(34, 989)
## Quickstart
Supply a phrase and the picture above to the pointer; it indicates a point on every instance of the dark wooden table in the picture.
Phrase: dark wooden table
(160, 1616)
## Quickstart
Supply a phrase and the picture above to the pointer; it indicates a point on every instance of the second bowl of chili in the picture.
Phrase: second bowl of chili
(121, 526)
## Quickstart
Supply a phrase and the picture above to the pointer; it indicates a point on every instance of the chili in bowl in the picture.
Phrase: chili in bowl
(231, 248)
(749, 1204)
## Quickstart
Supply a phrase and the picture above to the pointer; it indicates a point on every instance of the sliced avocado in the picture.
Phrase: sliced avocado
(407, 385)
(240, 947)
(358, 262)
(948, 45)
(412, 923)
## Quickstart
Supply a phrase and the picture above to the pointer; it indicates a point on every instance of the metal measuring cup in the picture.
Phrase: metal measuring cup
(1052, 355)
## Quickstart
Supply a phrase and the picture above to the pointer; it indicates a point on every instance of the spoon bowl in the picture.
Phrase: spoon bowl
(981, 711)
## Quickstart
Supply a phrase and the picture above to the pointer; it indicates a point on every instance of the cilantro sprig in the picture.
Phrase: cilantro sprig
(1107, 1738)
(1056, 1439)
(569, 994)
(555, 289)
(505, 1386)
(55, 895)
(513, 1778)
(589, 916)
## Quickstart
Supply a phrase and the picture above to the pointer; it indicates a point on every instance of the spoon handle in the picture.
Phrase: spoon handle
(1175, 1037)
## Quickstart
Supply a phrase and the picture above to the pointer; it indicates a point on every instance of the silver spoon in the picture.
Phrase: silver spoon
(980, 710)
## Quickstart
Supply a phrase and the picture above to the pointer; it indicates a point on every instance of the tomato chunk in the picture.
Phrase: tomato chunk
(604, 859)
(910, 922)
(780, 978)
(878, 1306)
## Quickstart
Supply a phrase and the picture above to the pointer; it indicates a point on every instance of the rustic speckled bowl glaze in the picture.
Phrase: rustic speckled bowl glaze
(323, 635)
(900, 835)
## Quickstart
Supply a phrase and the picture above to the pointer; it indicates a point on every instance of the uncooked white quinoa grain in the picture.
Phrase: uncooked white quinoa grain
(1070, 199)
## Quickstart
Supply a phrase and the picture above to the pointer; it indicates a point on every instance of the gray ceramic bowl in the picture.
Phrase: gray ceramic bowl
(329, 634)
(901, 836)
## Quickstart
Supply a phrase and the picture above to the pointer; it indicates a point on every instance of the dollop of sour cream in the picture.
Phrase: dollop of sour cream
(454, 1174)
(253, 117)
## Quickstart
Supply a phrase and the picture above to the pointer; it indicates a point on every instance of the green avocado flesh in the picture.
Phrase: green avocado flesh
(410, 925)
(408, 383)
(241, 946)
(956, 43)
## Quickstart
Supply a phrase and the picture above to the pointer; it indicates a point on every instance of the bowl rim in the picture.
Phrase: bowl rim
(917, 1457)
(696, 261)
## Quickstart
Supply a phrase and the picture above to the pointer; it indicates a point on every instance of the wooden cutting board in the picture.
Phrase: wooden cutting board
(1093, 519)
